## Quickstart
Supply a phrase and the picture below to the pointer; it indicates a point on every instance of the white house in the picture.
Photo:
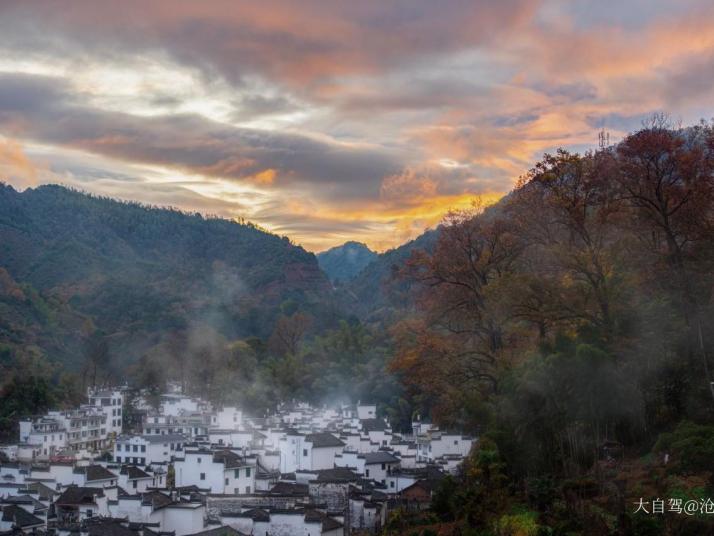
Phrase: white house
(373, 465)
(135, 480)
(180, 517)
(319, 451)
(227, 418)
(110, 402)
(46, 433)
(366, 411)
(221, 471)
(77, 503)
(436, 444)
(148, 449)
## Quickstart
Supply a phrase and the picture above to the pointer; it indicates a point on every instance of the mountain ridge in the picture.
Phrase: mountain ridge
(344, 262)
(138, 271)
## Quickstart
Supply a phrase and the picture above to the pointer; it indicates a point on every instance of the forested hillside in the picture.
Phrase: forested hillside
(573, 327)
(376, 295)
(97, 291)
(343, 263)
(133, 273)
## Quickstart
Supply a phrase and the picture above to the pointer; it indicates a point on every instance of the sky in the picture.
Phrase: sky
(339, 120)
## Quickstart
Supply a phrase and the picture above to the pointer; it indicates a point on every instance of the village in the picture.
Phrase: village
(183, 467)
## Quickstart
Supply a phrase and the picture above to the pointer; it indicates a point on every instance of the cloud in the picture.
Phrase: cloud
(297, 44)
(15, 167)
(46, 110)
(339, 120)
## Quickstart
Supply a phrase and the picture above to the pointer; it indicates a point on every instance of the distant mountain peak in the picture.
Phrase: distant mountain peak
(343, 263)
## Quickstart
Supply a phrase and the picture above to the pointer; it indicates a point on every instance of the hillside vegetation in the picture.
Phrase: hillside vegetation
(343, 263)
(573, 327)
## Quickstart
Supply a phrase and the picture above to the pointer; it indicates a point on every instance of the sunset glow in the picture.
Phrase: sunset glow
(336, 121)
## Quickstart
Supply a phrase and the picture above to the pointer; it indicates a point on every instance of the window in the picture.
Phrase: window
(226, 481)
(143, 448)
(136, 448)
(118, 459)
(391, 483)
(304, 452)
(199, 460)
(89, 512)
(456, 441)
(236, 473)
(203, 476)
(247, 471)
(247, 489)
(366, 473)
(133, 484)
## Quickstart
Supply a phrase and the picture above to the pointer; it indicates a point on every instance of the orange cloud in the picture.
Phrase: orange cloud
(15, 167)
(265, 177)
(380, 224)
(408, 187)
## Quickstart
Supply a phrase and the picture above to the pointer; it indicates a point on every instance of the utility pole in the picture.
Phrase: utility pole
(603, 139)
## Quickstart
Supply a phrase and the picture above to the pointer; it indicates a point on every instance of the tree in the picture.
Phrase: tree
(288, 333)
(96, 364)
(565, 211)
(465, 332)
(667, 178)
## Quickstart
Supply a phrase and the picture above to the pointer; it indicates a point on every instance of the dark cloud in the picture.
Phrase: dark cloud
(294, 43)
(44, 109)
(690, 80)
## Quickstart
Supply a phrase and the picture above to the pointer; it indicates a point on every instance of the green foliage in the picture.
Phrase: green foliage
(520, 523)
(29, 386)
(138, 272)
(691, 446)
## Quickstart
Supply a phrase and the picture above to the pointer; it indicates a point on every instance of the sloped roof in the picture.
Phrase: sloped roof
(156, 499)
(225, 530)
(427, 485)
(380, 456)
(110, 529)
(229, 459)
(336, 474)
(95, 472)
(43, 491)
(373, 425)
(24, 499)
(328, 523)
(289, 488)
(19, 516)
(324, 439)
(165, 438)
(132, 472)
(256, 514)
(79, 495)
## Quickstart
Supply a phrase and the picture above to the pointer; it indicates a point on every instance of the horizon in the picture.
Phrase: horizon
(333, 123)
